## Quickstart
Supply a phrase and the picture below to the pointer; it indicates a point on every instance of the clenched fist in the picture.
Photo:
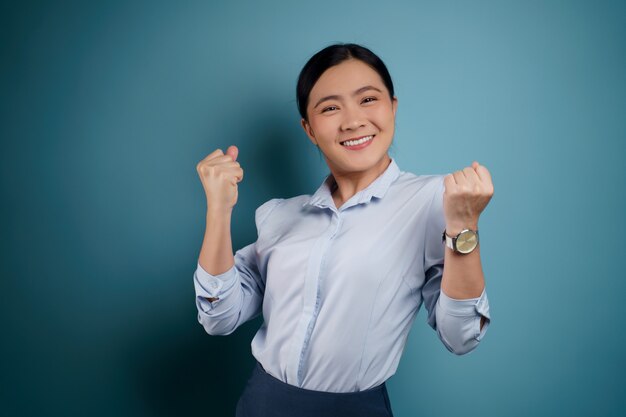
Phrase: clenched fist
(467, 193)
(220, 174)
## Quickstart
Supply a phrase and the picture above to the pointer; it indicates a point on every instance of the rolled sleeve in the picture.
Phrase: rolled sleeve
(239, 291)
(458, 321)
(212, 286)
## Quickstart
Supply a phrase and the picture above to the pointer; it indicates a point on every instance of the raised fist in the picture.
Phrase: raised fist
(220, 174)
(467, 193)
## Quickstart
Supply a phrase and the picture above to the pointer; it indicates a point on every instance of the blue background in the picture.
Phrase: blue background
(107, 108)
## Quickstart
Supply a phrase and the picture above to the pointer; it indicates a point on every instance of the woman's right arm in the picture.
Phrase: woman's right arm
(219, 174)
(226, 294)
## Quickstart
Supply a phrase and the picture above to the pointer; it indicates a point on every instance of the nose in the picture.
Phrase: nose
(353, 118)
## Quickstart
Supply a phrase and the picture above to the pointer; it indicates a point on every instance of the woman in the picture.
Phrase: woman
(340, 275)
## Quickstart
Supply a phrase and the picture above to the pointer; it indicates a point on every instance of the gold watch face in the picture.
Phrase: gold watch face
(467, 241)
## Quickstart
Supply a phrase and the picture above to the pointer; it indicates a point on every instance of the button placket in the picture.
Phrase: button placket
(333, 228)
(309, 307)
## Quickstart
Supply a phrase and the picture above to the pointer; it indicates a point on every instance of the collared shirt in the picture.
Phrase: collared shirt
(339, 288)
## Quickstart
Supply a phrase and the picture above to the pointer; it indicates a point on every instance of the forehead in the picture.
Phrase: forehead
(344, 78)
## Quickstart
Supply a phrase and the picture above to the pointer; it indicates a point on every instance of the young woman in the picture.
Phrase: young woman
(340, 275)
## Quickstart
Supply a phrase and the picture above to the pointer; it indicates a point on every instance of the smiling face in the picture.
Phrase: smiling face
(350, 102)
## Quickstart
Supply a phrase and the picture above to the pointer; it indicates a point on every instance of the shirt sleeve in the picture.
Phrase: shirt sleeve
(239, 291)
(457, 322)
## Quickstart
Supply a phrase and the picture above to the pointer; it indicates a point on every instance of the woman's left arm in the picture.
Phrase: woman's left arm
(467, 193)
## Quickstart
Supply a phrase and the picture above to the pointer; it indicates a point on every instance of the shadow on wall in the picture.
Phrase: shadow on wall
(194, 375)
(184, 371)
(284, 161)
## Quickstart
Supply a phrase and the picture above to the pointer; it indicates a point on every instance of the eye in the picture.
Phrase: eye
(369, 99)
(329, 108)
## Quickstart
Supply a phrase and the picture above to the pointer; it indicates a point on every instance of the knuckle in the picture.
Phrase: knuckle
(208, 170)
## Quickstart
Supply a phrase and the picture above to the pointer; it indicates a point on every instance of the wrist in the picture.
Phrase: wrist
(218, 214)
(453, 229)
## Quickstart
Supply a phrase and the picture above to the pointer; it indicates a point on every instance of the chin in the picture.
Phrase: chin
(359, 163)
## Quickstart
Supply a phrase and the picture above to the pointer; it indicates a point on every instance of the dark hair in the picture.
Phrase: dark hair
(329, 57)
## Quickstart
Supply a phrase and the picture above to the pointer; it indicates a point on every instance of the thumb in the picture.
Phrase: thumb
(233, 152)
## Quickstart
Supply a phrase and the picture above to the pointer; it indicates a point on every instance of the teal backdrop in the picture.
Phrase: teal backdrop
(107, 107)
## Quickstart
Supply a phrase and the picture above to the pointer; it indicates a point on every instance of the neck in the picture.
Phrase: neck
(347, 184)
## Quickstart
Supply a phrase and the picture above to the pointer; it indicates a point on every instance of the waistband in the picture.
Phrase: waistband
(266, 396)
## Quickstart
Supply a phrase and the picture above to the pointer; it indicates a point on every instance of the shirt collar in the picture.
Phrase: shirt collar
(323, 197)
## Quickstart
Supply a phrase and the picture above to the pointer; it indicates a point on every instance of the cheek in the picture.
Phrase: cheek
(384, 118)
(324, 128)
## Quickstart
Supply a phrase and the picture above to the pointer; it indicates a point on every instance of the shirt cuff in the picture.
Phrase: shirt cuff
(212, 286)
(468, 307)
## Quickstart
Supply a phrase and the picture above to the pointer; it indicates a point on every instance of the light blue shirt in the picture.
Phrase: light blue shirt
(339, 288)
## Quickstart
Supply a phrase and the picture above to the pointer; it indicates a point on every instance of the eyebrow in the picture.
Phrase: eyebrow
(357, 92)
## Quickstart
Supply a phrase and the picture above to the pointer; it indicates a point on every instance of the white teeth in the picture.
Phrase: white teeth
(357, 142)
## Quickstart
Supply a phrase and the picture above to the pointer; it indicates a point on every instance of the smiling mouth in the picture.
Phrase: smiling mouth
(359, 141)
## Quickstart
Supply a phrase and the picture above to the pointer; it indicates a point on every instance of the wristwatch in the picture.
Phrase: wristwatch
(465, 242)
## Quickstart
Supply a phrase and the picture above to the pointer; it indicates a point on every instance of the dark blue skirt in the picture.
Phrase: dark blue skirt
(266, 396)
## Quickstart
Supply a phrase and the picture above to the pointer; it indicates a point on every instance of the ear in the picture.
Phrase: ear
(394, 105)
(309, 132)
